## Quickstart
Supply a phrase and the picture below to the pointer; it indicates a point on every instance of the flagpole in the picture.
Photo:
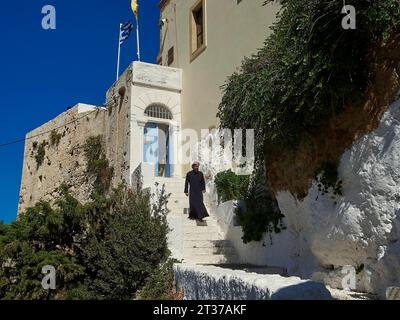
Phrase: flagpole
(137, 38)
(119, 50)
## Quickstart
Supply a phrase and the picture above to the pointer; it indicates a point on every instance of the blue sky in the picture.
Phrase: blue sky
(42, 72)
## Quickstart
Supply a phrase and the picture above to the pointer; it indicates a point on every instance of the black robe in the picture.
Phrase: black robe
(197, 184)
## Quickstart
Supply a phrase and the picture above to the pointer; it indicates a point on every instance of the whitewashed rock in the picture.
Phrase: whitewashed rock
(215, 283)
(360, 228)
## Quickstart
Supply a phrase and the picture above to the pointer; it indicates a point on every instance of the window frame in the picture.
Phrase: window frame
(158, 111)
(195, 52)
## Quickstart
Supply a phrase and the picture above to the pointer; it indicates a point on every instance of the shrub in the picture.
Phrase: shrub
(308, 72)
(261, 213)
(231, 186)
(122, 250)
(105, 249)
(160, 284)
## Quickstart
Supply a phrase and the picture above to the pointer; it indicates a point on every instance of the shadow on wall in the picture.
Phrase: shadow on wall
(304, 291)
(276, 253)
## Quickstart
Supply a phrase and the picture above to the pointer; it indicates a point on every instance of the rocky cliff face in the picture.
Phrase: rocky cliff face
(361, 228)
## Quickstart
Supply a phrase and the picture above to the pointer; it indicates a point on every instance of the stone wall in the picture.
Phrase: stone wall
(65, 161)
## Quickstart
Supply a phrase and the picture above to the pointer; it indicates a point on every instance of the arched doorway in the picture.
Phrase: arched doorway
(157, 141)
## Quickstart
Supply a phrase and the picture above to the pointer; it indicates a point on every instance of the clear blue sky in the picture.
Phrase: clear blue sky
(42, 72)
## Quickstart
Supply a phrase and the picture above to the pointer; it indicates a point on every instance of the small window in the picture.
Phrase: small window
(171, 56)
(157, 110)
(198, 30)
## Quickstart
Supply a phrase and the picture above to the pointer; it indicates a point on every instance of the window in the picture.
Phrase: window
(198, 22)
(171, 56)
(158, 110)
(198, 29)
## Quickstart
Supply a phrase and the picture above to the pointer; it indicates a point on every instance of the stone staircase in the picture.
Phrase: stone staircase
(202, 243)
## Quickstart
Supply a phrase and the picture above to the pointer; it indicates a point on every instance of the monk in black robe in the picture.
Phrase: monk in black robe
(195, 179)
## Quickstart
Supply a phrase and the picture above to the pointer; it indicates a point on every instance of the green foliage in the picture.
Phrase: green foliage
(105, 249)
(40, 153)
(160, 200)
(231, 186)
(309, 70)
(159, 285)
(261, 213)
(42, 237)
(125, 250)
(384, 17)
(98, 165)
(55, 138)
(327, 178)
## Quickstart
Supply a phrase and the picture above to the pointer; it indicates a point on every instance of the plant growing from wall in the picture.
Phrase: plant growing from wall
(231, 186)
(261, 213)
(98, 166)
(55, 138)
(40, 153)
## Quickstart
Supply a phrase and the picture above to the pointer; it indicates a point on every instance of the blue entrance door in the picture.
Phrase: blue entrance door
(156, 148)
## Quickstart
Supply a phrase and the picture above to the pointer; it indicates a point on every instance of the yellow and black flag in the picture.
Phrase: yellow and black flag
(134, 6)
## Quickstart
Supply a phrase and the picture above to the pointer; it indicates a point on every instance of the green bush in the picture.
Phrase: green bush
(105, 249)
(261, 213)
(160, 284)
(122, 251)
(309, 69)
(231, 186)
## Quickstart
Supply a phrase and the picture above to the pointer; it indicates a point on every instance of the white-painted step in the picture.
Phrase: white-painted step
(196, 230)
(206, 222)
(209, 251)
(206, 243)
(212, 259)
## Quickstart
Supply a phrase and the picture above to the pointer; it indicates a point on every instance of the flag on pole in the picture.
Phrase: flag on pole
(134, 6)
(125, 31)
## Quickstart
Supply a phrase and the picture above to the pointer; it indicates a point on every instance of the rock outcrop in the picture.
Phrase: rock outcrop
(361, 228)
